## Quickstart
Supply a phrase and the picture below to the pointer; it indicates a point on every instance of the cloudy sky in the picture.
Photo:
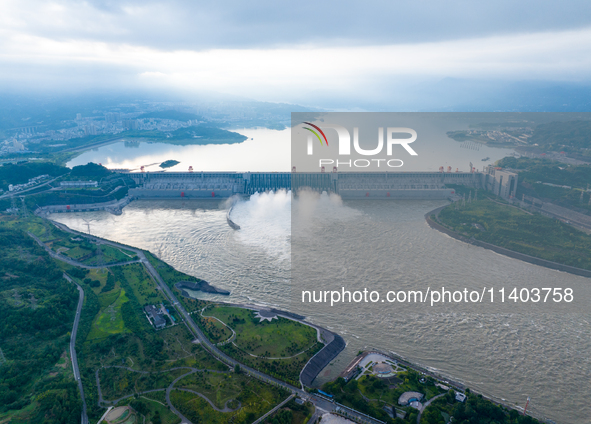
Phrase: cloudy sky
(302, 52)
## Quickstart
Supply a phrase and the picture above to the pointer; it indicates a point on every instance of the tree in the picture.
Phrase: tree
(156, 418)
(89, 170)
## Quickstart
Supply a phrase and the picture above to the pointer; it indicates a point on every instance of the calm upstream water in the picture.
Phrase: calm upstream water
(505, 351)
(270, 151)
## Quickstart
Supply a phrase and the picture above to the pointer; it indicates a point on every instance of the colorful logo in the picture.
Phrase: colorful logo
(315, 133)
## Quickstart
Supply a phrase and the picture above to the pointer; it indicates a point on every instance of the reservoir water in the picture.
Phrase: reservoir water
(502, 350)
(270, 151)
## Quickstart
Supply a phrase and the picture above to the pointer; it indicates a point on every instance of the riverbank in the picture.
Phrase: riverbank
(380, 376)
(433, 221)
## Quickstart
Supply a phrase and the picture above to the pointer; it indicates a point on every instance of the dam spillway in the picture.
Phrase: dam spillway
(349, 185)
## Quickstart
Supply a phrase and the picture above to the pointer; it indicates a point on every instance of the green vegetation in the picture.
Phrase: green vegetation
(512, 228)
(255, 397)
(21, 173)
(215, 330)
(91, 170)
(38, 308)
(78, 248)
(533, 173)
(116, 342)
(169, 163)
(370, 394)
(171, 276)
(349, 394)
(200, 134)
(292, 413)
(107, 255)
(110, 319)
(153, 407)
(134, 343)
(112, 187)
(118, 382)
(142, 285)
(278, 338)
(474, 409)
(217, 387)
(280, 348)
(380, 389)
(570, 136)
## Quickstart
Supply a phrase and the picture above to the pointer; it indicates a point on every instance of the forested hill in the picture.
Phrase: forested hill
(38, 307)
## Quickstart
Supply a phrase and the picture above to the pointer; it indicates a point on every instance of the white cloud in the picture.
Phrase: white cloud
(281, 73)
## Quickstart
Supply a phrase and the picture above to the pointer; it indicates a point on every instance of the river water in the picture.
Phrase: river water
(270, 151)
(503, 350)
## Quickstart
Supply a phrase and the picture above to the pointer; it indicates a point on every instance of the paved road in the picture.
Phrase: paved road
(210, 347)
(224, 409)
(73, 262)
(427, 404)
(101, 400)
(73, 348)
(260, 420)
(175, 411)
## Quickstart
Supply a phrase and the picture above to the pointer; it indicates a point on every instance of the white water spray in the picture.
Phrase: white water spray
(265, 222)
(265, 219)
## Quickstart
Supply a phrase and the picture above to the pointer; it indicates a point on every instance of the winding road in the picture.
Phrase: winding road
(427, 404)
(75, 368)
(191, 325)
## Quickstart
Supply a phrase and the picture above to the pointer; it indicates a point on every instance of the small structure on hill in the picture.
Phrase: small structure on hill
(156, 317)
(407, 398)
(460, 397)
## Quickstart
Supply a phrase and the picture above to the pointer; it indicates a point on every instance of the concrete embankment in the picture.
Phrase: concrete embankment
(501, 250)
(201, 285)
(319, 361)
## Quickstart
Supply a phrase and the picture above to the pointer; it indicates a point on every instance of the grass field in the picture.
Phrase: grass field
(281, 347)
(99, 275)
(515, 229)
(142, 285)
(109, 320)
(215, 330)
(256, 398)
(72, 246)
(77, 252)
(219, 388)
(110, 255)
(110, 297)
(279, 338)
(154, 403)
(293, 413)
(117, 382)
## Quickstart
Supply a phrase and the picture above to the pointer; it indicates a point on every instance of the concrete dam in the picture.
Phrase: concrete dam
(349, 185)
